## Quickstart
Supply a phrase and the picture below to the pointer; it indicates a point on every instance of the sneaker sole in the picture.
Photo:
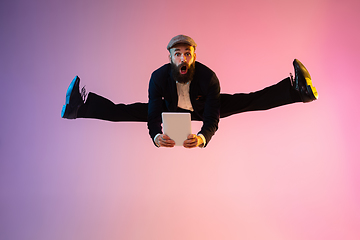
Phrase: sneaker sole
(63, 111)
(68, 94)
(312, 88)
(69, 90)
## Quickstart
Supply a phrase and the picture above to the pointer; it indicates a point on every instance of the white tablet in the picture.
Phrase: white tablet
(177, 126)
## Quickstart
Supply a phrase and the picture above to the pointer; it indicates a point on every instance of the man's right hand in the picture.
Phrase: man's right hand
(164, 140)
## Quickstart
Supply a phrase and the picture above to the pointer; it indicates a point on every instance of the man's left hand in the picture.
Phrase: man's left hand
(193, 141)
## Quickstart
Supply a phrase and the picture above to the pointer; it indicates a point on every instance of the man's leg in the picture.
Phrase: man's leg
(98, 107)
(285, 92)
(270, 97)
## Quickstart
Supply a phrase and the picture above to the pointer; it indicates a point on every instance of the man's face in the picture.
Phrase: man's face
(182, 58)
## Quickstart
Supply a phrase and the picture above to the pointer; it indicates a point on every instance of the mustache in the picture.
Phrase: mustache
(184, 64)
(181, 66)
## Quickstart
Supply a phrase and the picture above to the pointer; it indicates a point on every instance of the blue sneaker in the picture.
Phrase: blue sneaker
(74, 99)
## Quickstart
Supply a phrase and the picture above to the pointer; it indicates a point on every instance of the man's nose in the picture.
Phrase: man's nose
(183, 58)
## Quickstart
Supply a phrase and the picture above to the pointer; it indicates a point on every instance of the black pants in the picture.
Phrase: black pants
(276, 95)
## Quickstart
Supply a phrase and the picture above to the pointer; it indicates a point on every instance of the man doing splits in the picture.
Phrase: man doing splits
(185, 85)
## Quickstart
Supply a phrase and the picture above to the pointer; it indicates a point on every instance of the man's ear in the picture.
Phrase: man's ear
(170, 57)
(194, 56)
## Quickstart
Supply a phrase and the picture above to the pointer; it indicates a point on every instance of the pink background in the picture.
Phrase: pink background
(288, 173)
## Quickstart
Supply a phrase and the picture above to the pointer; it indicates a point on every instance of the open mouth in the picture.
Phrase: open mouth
(183, 69)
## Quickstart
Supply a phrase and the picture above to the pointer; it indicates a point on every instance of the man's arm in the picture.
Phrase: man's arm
(211, 113)
(154, 107)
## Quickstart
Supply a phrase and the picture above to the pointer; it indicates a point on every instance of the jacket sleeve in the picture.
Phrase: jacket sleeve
(211, 113)
(155, 103)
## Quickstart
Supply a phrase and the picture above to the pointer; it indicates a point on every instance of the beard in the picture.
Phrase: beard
(183, 78)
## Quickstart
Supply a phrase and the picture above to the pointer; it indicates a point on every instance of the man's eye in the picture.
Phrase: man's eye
(188, 54)
(177, 54)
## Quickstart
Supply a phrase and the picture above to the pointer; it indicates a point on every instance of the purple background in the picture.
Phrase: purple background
(288, 173)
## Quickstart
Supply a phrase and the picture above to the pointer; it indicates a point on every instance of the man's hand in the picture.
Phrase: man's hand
(193, 141)
(164, 140)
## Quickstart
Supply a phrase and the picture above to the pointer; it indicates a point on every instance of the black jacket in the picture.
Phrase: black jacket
(204, 97)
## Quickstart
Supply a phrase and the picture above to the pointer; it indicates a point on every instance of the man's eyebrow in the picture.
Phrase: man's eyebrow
(178, 49)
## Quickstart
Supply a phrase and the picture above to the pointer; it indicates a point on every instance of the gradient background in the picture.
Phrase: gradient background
(288, 173)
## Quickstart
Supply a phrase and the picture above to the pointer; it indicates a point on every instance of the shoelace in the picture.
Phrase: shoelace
(83, 93)
(291, 80)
